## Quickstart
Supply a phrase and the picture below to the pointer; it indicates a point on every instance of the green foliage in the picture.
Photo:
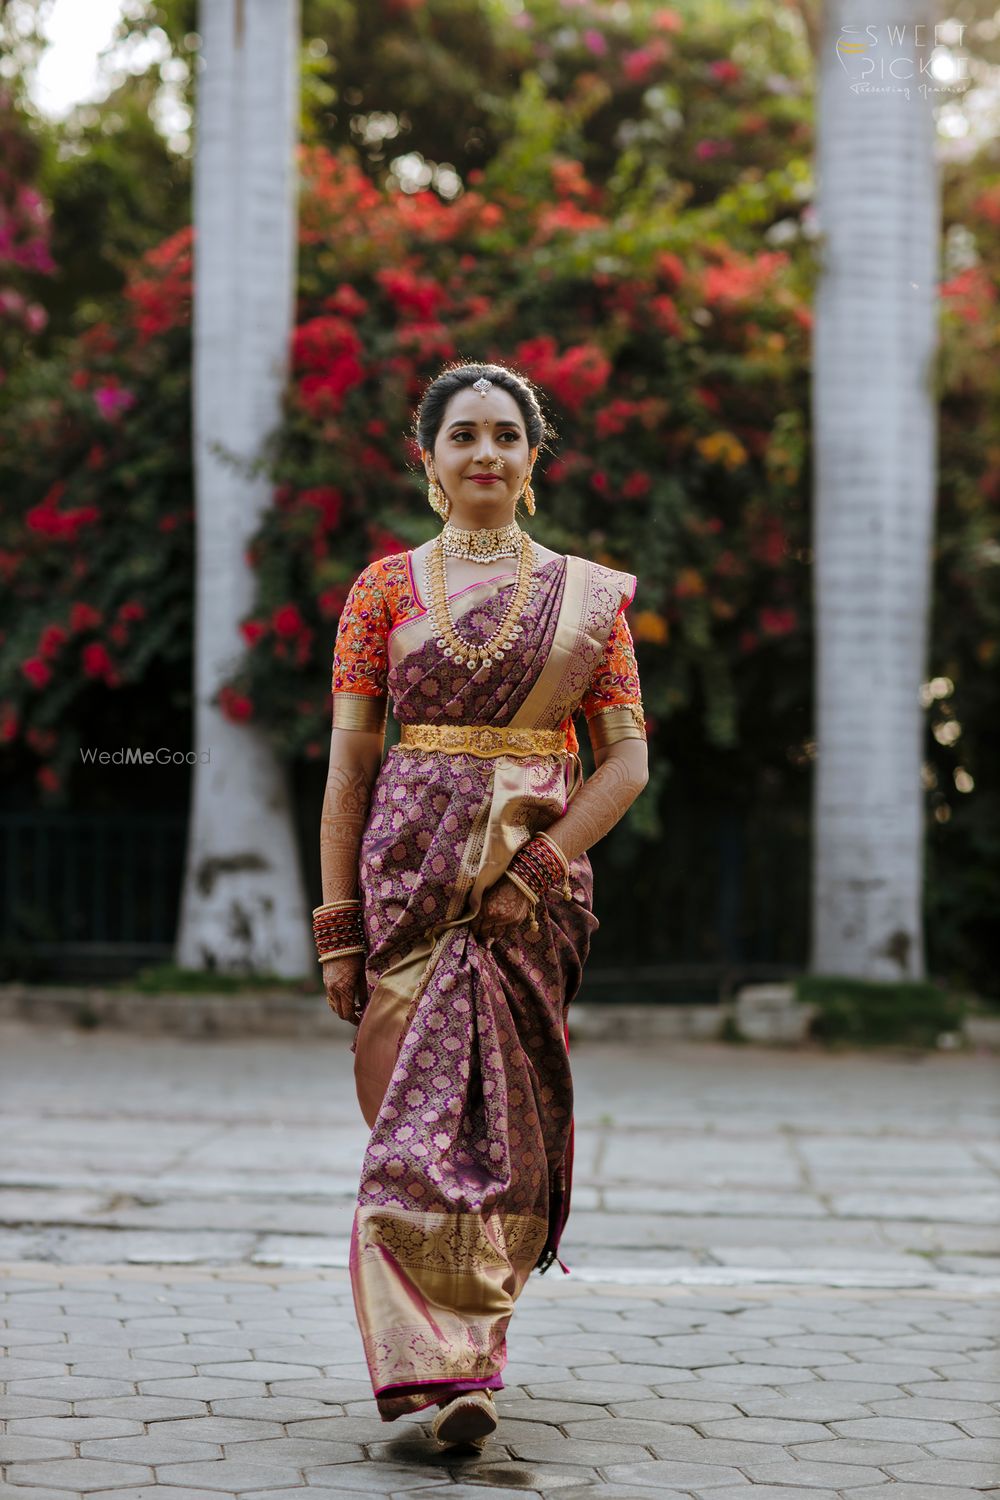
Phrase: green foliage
(862, 1012)
(168, 979)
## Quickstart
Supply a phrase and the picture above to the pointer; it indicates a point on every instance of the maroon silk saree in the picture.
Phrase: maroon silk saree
(461, 1056)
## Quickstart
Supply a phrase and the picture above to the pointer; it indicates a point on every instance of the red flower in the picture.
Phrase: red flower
(96, 661)
(347, 301)
(574, 376)
(327, 500)
(84, 617)
(600, 482)
(235, 706)
(47, 520)
(777, 621)
(332, 601)
(411, 295)
(52, 638)
(740, 278)
(383, 543)
(132, 610)
(665, 315)
(637, 485)
(287, 621)
(252, 631)
(9, 723)
(769, 544)
(47, 779)
(37, 673)
(725, 71)
(160, 295)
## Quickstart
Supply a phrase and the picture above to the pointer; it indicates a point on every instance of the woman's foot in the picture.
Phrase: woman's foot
(466, 1420)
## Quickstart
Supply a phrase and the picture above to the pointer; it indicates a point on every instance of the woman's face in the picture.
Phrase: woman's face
(481, 433)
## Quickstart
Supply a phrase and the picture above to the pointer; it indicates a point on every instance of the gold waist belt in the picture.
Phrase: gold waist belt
(481, 739)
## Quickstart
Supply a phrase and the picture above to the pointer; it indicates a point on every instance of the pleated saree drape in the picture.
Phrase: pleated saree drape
(461, 1057)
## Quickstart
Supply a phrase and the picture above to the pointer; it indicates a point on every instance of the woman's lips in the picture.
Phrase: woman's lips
(485, 478)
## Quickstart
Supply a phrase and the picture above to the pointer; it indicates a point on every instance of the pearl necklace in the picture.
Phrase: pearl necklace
(485, 544)
(475, 653)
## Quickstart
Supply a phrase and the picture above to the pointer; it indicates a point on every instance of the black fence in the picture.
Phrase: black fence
(721, 898)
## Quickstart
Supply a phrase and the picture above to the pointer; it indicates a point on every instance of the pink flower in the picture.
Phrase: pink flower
(725, 71)
(112, 400)
(595, 41)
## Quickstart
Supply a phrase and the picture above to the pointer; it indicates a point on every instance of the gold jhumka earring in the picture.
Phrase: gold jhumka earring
(438, 500)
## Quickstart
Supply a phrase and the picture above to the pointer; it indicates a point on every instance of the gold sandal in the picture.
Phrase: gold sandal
(466, 1421)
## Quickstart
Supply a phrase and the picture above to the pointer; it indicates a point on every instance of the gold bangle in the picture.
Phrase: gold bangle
(339, 953)
(336, 905)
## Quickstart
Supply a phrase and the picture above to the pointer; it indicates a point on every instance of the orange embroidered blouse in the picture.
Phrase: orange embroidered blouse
(382, 596)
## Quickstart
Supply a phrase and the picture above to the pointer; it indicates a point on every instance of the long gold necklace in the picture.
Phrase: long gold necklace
(475, 653)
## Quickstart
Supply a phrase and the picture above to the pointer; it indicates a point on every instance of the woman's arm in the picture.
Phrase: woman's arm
(621, 772)
(620, 775)
(355, 757)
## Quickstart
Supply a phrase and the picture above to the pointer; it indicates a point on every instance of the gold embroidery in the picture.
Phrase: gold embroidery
(360, 711)
(625, 721)
(482, 739)
(434, 1292)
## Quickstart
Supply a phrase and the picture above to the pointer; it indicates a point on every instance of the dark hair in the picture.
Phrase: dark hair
(454, 378)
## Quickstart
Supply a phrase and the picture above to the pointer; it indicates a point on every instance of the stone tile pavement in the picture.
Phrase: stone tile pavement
(785, 1270)
(243, 1381)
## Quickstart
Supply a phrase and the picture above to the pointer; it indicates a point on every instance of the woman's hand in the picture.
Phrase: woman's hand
(503, 905)
(341, 978)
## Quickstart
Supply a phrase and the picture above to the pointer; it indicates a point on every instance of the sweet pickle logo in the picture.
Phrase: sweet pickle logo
(903, 58)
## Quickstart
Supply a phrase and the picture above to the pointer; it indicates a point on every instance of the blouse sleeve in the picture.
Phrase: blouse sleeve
(612, 703)
(361, 657)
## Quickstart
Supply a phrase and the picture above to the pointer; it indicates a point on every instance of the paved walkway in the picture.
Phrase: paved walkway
(785, 1270)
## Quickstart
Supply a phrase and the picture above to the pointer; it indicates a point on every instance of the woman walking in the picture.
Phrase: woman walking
(457, 894)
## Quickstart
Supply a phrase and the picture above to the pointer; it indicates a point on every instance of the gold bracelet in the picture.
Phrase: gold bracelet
(532, 896)
(336, 905)
(339, 953)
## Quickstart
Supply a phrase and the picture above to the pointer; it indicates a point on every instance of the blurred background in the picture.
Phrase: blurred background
(621, 200)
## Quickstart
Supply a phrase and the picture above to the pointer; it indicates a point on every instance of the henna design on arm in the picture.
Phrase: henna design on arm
(342, 823)
(600, 803)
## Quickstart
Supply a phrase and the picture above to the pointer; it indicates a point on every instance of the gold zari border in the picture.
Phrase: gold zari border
(621, 722)
(482, 739)
(360, 711)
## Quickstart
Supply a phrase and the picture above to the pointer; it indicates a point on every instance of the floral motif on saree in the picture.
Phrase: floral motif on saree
(461, 1058)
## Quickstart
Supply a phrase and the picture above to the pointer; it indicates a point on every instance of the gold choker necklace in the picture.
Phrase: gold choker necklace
(486, 544)
(475, 654)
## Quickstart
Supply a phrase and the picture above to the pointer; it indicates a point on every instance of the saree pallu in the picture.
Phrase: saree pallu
(461, 1055)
